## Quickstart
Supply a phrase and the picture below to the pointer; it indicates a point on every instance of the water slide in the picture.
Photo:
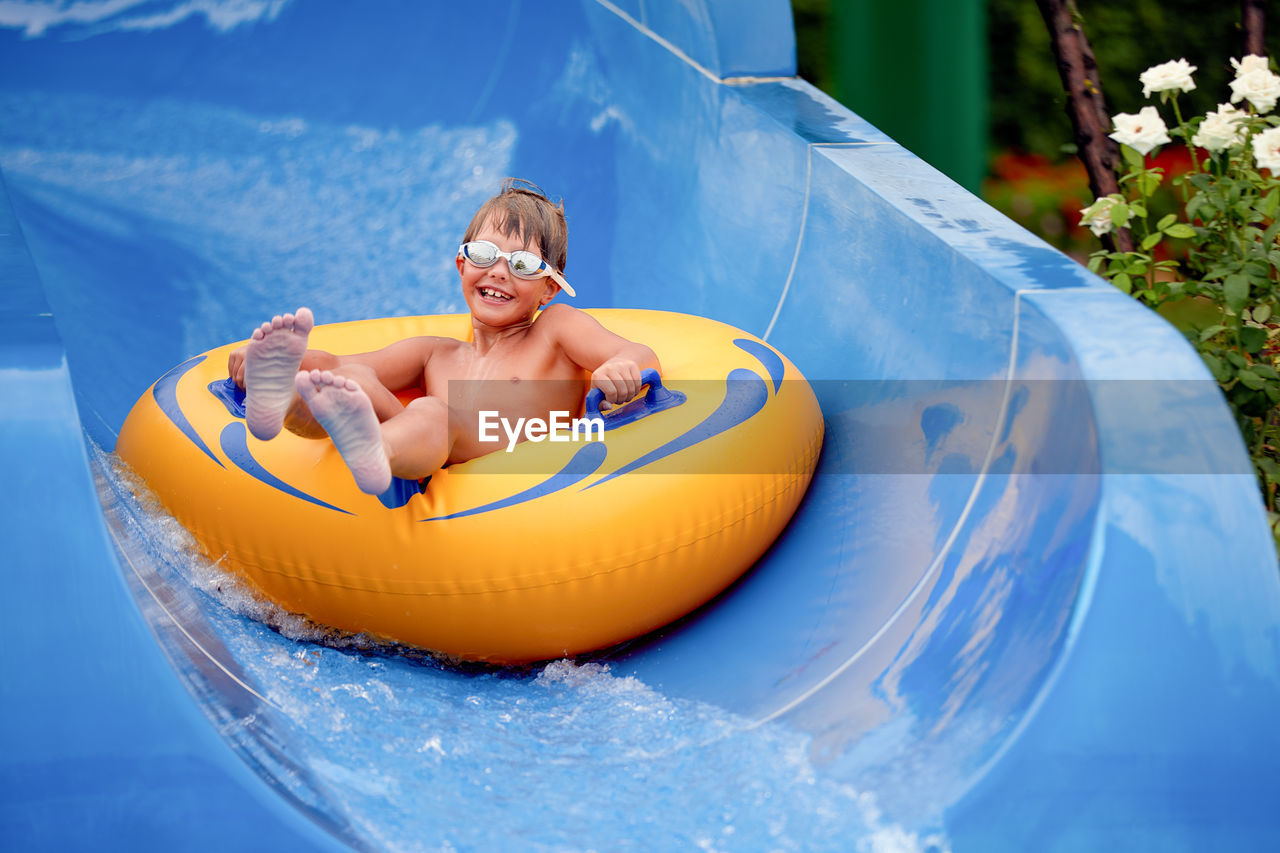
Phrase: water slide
(1030, 601)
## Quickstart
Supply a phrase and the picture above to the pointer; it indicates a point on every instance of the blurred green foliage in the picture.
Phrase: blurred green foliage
(1027, 101)
(813, 42)
(1026, 98)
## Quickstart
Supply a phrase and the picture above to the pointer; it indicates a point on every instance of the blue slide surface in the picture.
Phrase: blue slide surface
(1030, 601)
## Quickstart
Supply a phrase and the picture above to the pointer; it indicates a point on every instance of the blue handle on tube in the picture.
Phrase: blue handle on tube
(656, 399)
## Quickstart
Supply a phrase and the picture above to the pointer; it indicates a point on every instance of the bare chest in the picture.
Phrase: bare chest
(521, 382)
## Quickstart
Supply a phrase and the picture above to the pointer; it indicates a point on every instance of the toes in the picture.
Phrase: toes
(303, 320)
(316, 381)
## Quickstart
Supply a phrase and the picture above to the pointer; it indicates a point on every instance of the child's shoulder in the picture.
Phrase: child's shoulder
(556, 317)
(556, 313)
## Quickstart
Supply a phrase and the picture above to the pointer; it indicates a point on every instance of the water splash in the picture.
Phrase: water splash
(414, 754)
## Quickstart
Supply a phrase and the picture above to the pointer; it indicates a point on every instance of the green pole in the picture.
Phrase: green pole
(917, 69)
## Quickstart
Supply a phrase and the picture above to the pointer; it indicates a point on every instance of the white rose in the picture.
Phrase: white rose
(1173, 76)
(1266, 149)
(1097, 216)
(1221, 128)
(1259, 87)
(1249, 64)
(1142, 131)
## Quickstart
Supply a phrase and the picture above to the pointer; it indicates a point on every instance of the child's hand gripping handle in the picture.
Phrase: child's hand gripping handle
(655, 399)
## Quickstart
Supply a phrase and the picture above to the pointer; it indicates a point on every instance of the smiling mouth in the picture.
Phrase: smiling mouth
(494, 295)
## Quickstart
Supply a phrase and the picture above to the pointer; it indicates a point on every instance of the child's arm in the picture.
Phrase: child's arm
(615, 362)
(397, 366)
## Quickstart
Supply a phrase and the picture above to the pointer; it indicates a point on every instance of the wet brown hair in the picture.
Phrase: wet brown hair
(521, 209)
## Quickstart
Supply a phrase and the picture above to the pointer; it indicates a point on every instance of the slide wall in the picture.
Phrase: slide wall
(1030, 600)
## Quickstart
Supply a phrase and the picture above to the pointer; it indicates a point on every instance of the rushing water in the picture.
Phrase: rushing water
(410, 753)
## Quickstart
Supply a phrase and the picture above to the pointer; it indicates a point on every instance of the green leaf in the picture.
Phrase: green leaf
(1269, 468)
(1251, 380)
(1120, 214)
(1252, 338)
(1166, 221)
(1205, 334)
(1095, 263)
(1216, 367)
(1132, 157)
(1266, 371)
(1261, 313)
(1181, 231)
(1149, 241)
(1236, 291)
(1270, 204)
(1202, 181)
(1236, 360)
(1123, 282)
(1269, 238)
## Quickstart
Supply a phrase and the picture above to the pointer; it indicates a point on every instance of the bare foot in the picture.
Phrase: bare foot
(270, 363)
(346, 413)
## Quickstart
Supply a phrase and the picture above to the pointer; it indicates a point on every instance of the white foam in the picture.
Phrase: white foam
(486, 758)
(36, 17)
(178, 552)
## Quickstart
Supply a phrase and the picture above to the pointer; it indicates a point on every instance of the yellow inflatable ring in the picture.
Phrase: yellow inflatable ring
(552, 549)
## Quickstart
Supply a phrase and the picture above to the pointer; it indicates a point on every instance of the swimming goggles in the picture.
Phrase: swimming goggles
(522, 264)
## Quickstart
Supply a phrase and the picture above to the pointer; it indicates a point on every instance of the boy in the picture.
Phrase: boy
(510, 264)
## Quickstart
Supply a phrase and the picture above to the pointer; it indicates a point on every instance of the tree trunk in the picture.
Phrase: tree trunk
(1253, 22)
(1085, 105)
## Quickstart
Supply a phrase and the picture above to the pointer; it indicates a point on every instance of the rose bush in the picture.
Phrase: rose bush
(1220, 250)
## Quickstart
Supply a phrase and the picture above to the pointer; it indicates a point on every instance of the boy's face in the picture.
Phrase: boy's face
(494, 296)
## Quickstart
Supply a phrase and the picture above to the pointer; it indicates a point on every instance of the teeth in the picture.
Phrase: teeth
(493, 294)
